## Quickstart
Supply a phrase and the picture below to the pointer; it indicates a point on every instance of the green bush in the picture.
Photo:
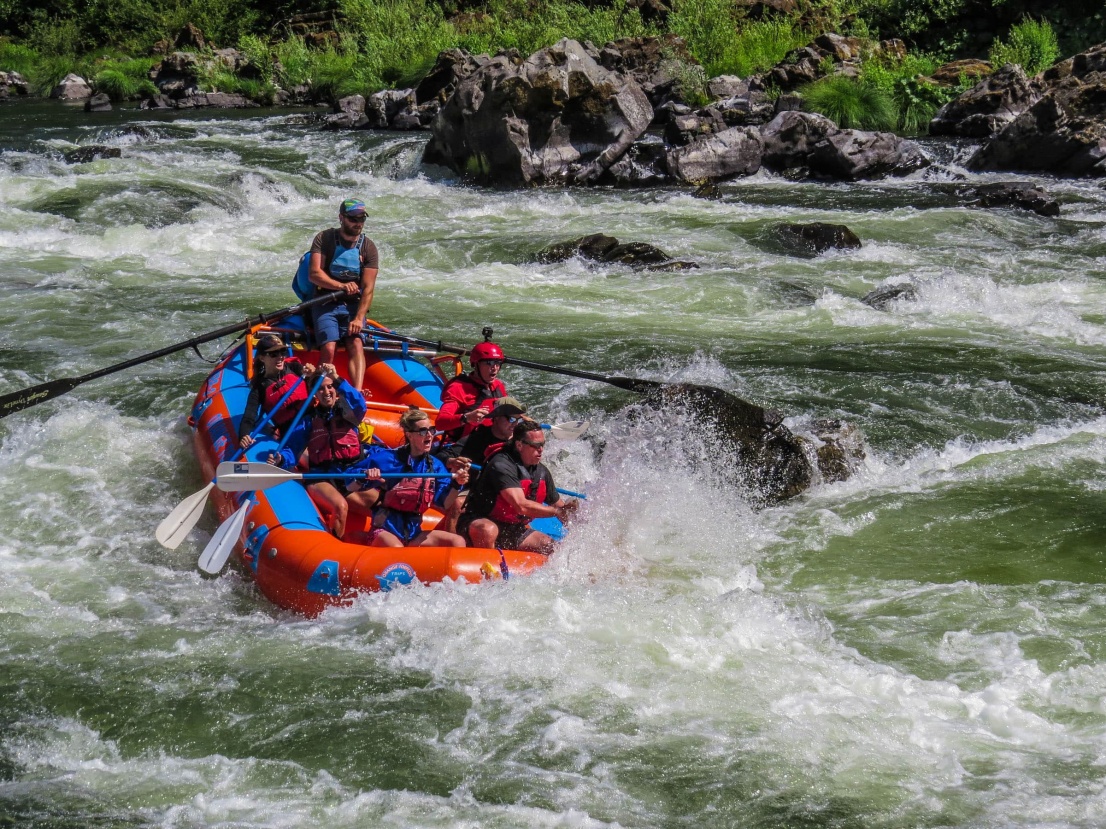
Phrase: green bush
(1031, 45)
(761, 45)
(726, 44)
(850, 103)
(258, 53)
(914, 99)
(295, 61)
(399, 40)
(335, 73)
(709, 28)
(50, 70)
(58, 38)
(16, 57)
(119, 86)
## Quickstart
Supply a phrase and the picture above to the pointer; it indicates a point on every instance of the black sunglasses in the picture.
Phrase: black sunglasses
(355, 219)
(424, 431)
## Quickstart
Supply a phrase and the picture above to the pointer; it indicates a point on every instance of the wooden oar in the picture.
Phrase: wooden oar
(179, 523)
(17, 401)
(239, 476)
(215, 554)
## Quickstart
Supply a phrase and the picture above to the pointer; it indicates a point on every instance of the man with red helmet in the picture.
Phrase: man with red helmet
(468, 399)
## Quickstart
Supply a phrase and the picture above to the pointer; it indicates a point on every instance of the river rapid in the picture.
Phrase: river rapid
(923, 645)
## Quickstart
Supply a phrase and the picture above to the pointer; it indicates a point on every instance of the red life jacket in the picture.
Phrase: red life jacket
(504, 513)
(411, 495)
(332, 439)
(292, 405)
(480, 395)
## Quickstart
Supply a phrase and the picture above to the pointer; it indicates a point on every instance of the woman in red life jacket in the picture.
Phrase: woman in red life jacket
(467, 399)
(274, 372)
(397, 518)
(514, 487)
(326, 440)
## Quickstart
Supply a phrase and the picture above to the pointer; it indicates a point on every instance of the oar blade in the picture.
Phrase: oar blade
(569, 430)
(176, 526)
(218, 549)
(17, 401)
(235, 476)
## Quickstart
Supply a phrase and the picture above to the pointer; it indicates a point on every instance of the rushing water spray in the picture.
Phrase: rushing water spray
(920, 645)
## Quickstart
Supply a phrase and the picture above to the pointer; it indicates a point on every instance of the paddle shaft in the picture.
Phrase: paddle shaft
(19, 400)
(567, 492)
(232, 476)
(627, 383)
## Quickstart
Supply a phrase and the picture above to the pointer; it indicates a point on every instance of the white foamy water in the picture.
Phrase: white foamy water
(920, 645)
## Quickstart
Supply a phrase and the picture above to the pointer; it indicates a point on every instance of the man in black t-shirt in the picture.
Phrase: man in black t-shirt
(474, 448)
(514, 487)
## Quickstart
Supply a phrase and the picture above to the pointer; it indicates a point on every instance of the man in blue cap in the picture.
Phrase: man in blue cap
(344, 259)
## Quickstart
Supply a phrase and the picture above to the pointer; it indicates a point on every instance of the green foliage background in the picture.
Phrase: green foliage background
(392, 43)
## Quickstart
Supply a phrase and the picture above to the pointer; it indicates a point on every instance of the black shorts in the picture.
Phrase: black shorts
(510, 535)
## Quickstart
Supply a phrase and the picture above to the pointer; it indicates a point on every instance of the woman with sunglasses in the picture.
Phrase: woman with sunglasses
(327, 440)
(274, 372)
(397, 518)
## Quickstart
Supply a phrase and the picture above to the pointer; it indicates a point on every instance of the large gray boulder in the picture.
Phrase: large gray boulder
(1064, 132)
(555, 117)
(12, 83)
(790, 138)
(656, 64)
(72, 88)
(989, 106)
(853, 155)
(732, 152)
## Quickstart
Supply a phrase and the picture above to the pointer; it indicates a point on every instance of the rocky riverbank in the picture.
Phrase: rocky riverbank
(574, 113)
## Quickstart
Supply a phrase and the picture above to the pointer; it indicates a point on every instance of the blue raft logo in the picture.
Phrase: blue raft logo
(396, 575)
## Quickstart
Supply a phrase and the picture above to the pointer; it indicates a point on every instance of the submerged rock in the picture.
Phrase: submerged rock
(1017, 194)
(838, 448)
(882, 297)
(771, 461)
(83, 155)
(817, 237)
(98, 103)
(600, 248)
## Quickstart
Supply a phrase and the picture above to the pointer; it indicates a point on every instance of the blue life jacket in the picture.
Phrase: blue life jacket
(343, 267)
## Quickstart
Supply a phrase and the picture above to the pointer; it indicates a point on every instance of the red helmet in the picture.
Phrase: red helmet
(485, 351)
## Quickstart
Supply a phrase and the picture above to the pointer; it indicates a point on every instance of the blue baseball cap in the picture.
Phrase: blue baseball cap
(352, 207)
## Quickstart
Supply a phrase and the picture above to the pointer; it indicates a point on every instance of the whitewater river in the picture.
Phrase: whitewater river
(923, 645)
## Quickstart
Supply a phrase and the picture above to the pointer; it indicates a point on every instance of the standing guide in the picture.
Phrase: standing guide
(344, 259)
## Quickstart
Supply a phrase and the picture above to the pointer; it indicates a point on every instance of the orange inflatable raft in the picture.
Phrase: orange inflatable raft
(284, 543)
